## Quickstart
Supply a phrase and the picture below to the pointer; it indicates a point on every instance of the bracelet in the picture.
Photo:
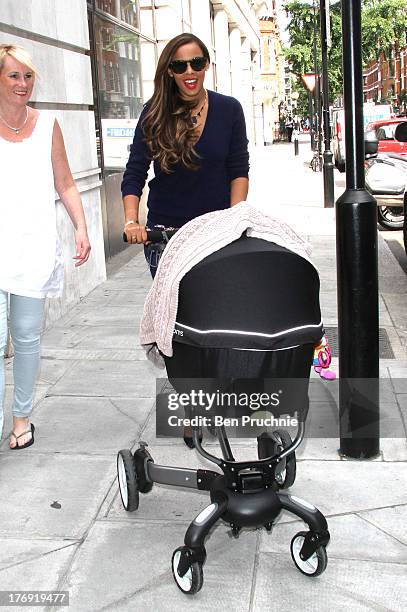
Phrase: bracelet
(130, 222)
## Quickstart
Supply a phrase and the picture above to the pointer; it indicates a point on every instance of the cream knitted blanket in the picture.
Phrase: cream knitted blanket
(190, 245)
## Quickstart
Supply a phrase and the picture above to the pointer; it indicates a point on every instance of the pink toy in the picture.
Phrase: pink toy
(322, 360)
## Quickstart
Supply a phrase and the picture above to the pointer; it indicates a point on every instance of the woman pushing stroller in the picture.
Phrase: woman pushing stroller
(197, 141)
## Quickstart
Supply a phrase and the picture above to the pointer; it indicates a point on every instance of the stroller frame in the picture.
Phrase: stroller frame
(243, 494)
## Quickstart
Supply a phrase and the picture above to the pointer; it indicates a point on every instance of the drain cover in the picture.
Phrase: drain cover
(385, 350)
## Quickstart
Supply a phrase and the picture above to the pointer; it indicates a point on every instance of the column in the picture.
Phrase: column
(247, 92)
(221, 28)
(235, 46)
(201, 27)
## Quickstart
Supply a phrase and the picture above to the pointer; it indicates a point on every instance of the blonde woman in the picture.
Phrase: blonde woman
(33, 165)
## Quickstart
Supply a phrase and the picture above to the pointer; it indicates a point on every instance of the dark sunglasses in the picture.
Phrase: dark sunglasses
(180, 66)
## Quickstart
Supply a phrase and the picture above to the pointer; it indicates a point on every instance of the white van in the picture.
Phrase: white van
(371, 112)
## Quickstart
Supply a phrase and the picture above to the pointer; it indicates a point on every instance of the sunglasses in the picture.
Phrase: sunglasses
(180, 66)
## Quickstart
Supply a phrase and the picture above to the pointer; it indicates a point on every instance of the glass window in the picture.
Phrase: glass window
(126, 10)
(120, 101)
(386, 132)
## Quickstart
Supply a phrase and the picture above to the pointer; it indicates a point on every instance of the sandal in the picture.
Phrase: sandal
(27, 444)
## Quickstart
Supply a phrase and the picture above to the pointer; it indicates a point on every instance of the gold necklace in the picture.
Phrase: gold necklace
(194, 118)
(17, 129)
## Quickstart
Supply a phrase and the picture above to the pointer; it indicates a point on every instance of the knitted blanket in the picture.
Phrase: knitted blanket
(190, 245)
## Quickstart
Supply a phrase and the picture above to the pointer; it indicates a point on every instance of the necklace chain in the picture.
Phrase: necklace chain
(16, 130)
(194, 118)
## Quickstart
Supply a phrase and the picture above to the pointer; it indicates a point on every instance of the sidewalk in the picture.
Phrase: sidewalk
(62, 525)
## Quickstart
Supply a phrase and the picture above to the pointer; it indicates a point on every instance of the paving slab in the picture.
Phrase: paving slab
(346, 486)
(394, 449)
(126, 566)
(98, 337)
(51, 370)
(90, 425)
(396, 304)
(31, 482)
(17, 551)
(108, 379)
(100, 314)
(60, 337)
(360, 586)
(118, 298)
(37, 567)
(391, 521)
(101, 354)
(372, 543)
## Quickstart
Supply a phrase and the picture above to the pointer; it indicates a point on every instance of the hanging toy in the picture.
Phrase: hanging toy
(322, 360)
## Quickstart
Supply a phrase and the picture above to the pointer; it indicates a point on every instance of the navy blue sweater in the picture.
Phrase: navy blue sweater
(181, 196)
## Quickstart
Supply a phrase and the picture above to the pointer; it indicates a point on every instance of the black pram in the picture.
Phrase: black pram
(247, 315)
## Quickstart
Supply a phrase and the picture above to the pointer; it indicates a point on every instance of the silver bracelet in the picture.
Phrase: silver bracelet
(130, 222)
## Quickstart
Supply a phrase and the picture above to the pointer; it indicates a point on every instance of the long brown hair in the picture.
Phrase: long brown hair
(167, 126)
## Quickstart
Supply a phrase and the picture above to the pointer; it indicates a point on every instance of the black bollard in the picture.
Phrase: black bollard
(296, 148)
(358, 308)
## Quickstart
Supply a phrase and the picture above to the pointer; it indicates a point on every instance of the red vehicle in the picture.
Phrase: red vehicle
(384, 129)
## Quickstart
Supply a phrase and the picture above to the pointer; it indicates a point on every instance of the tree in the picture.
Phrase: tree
(384, 27)
(300, 53)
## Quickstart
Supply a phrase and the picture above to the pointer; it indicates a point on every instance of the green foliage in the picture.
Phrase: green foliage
(301, 51)
(384, 26)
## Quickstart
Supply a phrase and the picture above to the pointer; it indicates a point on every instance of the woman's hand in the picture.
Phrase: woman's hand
(135, 233)
(82, 246)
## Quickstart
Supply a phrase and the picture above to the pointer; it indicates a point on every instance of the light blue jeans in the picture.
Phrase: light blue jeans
(26, 318)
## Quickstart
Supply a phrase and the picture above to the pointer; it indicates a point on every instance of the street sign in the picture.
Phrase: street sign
(309, 79)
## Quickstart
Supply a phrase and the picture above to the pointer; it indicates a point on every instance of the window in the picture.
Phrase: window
(125, 10)
(119, 90)
(386, 132)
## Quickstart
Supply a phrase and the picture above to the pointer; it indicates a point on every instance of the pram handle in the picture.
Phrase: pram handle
(156, 235)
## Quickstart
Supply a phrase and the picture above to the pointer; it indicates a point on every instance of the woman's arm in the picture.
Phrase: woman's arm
(238, 159)
(133, 230)
(239, 189)
(70, 198)
(134, 179)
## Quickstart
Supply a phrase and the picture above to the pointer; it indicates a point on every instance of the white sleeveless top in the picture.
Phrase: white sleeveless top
(31, 261)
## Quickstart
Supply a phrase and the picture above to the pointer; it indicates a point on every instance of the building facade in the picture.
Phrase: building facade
(386, 80)
(96, 61)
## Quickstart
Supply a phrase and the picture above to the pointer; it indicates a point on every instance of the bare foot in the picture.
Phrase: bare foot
(19, 426)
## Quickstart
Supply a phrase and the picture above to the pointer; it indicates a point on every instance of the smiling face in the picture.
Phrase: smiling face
(16, 82)
(190, 83)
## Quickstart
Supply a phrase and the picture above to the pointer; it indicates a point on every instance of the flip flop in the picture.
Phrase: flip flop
(27, 444)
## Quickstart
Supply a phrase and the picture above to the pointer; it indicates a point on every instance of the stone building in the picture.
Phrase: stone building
(96, 60)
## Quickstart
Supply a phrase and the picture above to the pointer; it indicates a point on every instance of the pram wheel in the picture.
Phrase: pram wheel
(286, 475)
(271, 444)
(141, 457)
(127, 477)
(191, 582)
(317, 562)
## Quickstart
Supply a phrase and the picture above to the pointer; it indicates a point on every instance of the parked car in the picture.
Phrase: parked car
(384, 129)
(371, 113)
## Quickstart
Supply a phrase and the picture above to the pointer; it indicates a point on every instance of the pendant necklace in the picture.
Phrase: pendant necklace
(17, 129)
(194, 118)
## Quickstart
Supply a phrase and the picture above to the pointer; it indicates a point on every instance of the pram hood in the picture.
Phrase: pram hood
(251, 294)
(199, 239)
